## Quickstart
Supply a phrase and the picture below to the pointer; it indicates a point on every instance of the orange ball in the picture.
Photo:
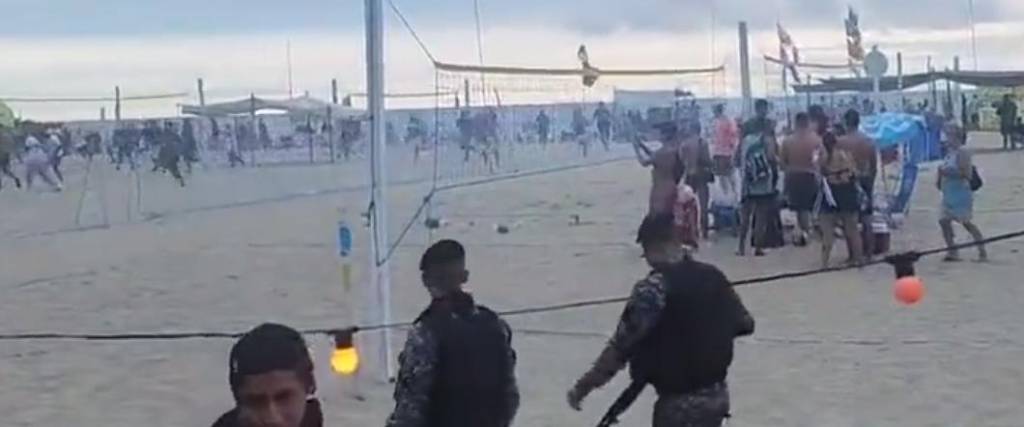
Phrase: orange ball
(909, 290)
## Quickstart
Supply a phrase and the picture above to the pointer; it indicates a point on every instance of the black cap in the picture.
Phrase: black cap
(656, 228)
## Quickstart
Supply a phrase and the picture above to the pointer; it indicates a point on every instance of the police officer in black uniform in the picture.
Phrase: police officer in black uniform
(676, 334)
(458, 365)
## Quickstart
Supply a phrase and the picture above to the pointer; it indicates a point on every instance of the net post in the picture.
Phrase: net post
(381, 280)
(252, 128)
(330, 131)
(745, 69)
(202, 92)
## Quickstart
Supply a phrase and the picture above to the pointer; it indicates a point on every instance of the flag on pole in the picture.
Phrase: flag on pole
(788, 52)
(854, 39)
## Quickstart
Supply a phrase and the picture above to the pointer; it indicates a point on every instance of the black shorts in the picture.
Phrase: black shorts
(847, 199)
(801, 190)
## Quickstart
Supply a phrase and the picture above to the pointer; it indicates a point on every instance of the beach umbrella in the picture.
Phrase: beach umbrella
(6, 116)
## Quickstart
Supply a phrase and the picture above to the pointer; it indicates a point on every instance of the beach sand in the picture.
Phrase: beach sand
(830, 350)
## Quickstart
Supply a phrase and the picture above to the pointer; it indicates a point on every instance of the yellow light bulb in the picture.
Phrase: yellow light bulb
(345, 361)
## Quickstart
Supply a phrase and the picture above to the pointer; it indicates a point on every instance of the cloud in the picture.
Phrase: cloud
(245, 51)
(64, 17)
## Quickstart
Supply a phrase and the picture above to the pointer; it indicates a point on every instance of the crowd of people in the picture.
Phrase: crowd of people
(822, 171)
(42, 150)
(677, 328)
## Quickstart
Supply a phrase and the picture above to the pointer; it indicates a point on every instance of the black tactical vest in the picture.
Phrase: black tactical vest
(691, 347)
(473, 374)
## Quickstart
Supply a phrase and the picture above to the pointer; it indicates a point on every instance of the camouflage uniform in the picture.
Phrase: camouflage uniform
(704, 408)
(419, 362)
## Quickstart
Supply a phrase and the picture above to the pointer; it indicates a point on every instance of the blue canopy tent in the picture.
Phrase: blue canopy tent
(914, 138)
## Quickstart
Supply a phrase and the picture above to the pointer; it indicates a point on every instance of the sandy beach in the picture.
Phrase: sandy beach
(233, 250)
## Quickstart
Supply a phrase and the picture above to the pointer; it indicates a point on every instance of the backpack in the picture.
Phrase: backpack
(757, 172)
(976, 181)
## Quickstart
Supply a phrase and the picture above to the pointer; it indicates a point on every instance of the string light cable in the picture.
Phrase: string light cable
(903, 264)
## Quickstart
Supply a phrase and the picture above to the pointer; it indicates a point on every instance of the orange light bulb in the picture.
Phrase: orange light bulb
(908, 290)
(345, 361)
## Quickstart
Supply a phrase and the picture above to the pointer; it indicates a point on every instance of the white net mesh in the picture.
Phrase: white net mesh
(490, 125)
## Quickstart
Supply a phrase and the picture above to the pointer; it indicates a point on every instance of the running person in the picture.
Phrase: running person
(126, 144)
(543, 127)
(189, 145)
(603, 118)
(7, 148)
(169, 154)
(485, 129)
(56, 150)
(579, 130)
(465, 125)
(37, 163)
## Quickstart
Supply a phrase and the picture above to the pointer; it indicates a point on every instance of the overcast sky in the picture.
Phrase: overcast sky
(79, 48)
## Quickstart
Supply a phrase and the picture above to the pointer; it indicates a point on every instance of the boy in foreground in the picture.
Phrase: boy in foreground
(271, 377)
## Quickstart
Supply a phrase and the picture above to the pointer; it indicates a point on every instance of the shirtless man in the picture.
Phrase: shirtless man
(801, 185)
(865, 155)
(666, 171)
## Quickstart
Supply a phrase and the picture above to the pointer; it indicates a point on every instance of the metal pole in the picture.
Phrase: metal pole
(288, 58)
(202, 92)
(933, 87)
(974, 34)
(899, 79)
(330, 132)
(378, 213)
(117, 104)
(745, 69)
(252, 129)
(309, 137)
(957, 110)
(714, 24)
(785, 92)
